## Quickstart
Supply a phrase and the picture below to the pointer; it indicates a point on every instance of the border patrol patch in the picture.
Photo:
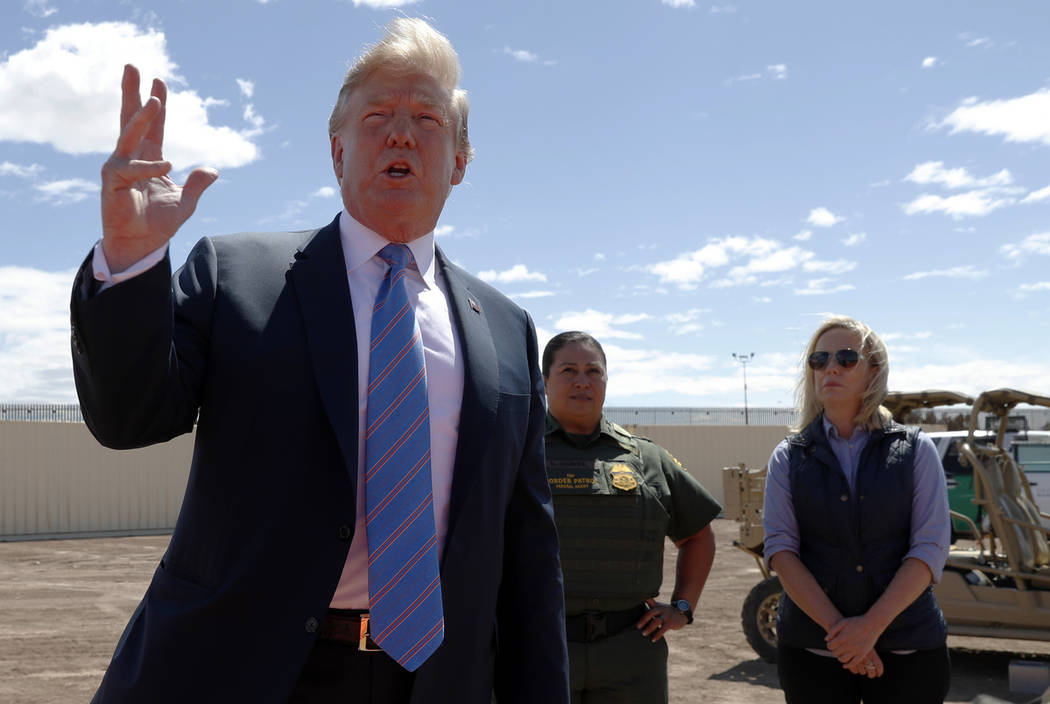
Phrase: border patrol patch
(623, 477)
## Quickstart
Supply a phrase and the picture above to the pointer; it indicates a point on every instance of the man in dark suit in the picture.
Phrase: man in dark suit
(270, 590)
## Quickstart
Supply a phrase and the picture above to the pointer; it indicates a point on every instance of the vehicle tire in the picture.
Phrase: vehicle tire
(759, 617)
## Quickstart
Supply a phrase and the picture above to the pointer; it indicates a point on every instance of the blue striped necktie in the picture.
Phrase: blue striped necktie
(404, 587)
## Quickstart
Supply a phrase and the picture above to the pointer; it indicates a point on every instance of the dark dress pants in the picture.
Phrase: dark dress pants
(921, 677)
(339, 672)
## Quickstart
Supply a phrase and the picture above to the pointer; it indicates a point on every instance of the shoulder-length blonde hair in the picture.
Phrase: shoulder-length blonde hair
(872, 414)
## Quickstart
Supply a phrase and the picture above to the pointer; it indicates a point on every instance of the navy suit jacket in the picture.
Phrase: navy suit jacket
(256, 334)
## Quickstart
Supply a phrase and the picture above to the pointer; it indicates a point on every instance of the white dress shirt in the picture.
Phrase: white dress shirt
(428, 294)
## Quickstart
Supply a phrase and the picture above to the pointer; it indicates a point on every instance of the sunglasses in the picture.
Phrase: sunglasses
(847, 359)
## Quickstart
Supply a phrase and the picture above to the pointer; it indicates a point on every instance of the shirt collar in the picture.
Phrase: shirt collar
(361, 244)
(605, 428)
(859, 432)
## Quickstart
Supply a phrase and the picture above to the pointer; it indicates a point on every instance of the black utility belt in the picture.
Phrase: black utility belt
(592, 626)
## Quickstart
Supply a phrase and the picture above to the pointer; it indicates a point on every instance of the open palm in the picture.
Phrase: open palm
(141, 206)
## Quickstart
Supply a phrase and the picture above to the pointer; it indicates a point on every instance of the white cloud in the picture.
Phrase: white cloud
(523, 55)
(39, 8)
(686, 316)
(66, 191)
(1038, 286)
(1022, 119)
(822, 217)
(383, 4)
(722, 10)
(758, 257)
(777, 72)
(929, 62)
(601, 325)
(921, 335)
(518, 272)
(971, 375)
(247, 87)
(696, 379)
(685, 322)
(634, 372)
(978, 202)
(532, 294)
(599, 257)
(35, 364)
(9, 169)
(761, 299)
(1033, 197)
(1037, 244)
(442, 230)
(837, 267)
(680, 3)
(822, 287)
(958, 272)
(803, 236)
(855, 239)
(295, 207)
(75, 70)
(934, 172)
(258, 124)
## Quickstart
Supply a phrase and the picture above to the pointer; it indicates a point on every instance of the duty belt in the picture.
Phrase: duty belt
(595, 625)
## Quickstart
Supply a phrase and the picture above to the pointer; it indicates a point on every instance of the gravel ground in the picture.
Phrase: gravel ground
(64, 603)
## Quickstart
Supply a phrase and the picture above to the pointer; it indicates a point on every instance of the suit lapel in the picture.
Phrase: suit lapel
(480, 385)
(319, 278)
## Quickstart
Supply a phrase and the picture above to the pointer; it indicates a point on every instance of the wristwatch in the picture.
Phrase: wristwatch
(683, 606)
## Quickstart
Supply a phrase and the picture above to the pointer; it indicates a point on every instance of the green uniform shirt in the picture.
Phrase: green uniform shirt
(616, 497)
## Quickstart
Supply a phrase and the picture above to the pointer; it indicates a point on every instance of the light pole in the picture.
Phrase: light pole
(744, 359)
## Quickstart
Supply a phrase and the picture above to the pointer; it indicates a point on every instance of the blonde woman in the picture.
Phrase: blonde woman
(857, 527)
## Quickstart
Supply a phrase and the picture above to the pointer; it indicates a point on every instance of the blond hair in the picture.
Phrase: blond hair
(410, 43)
(871, 414)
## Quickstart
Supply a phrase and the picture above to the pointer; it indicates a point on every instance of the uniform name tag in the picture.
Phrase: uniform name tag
(571, 476)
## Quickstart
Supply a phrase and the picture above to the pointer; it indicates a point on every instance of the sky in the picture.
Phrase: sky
(684, 180)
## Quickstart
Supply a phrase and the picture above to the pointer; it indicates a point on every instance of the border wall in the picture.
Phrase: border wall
(57, 481)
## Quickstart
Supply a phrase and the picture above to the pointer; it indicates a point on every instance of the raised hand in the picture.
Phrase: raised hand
(141, 206)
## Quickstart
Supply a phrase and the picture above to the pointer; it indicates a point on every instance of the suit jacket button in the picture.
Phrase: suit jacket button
(344, 532)
(311, 625)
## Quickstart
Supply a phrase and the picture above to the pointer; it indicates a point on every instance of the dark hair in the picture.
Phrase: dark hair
(567, 338)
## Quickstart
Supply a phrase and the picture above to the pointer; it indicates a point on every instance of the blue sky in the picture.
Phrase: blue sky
(685, 180)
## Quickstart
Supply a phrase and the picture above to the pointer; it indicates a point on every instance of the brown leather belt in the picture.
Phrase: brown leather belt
(351, 627)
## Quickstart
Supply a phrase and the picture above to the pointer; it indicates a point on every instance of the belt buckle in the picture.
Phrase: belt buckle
(597, 626)
(365, 641)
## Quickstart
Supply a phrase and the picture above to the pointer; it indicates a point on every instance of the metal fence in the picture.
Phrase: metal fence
(1038, 418)
(42, 412)
(625, 415)
(636, 415)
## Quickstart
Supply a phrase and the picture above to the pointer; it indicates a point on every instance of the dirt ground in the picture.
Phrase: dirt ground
(64, 603)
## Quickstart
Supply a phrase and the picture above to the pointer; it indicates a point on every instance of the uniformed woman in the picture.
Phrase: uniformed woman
(616, 497)
(857, 527)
